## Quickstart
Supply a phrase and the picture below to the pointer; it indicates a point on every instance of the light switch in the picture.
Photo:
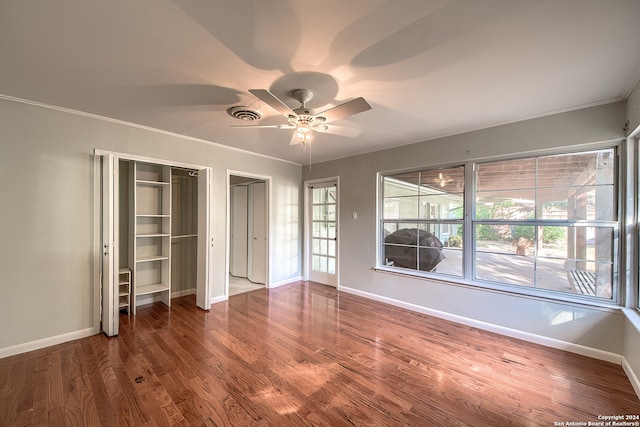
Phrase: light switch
(355, 215)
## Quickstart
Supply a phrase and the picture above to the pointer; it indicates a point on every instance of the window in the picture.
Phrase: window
(546, 222)
(422, 220)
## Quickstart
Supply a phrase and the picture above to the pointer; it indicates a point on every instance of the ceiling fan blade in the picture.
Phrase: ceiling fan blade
(339, 130)
(270, 99)
(345, 109)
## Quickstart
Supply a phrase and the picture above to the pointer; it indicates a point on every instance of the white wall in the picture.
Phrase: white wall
(633, 109)
(578, 326)
(632, 347)
(632, 325)
(47, 211)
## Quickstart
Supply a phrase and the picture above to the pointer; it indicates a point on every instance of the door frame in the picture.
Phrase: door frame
(267, 179)
(202, 295)
(307, 226)
(110, 250)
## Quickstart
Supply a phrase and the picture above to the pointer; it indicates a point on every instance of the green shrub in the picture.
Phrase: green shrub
(455, 241)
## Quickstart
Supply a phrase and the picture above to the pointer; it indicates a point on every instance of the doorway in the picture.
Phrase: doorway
(248, 243)
(139, 225)
(321, 217)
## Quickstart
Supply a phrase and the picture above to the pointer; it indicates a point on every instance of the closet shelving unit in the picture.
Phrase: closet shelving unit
(152, 232)
(124, 289)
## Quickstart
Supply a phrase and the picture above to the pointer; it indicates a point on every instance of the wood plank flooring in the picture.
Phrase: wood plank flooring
(304, 354)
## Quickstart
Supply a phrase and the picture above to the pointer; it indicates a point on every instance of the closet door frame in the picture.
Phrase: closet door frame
(267, 180)
(109, 243)
(203, 298)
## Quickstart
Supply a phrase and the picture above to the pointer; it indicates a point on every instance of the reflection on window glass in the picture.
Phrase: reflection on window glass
(422, 220)
(527, 243)
(544, 222)
(323, 234)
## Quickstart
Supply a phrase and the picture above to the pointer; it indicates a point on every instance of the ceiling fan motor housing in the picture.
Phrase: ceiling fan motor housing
(303, 96)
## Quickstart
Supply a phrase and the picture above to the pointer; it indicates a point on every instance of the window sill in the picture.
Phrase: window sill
(531, 293)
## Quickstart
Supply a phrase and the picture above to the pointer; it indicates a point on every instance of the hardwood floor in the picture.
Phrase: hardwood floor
(303, 354)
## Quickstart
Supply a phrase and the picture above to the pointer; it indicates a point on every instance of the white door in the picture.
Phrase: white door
(204, 240)
(257, 268)
(322, 202)
(238, 253)
(109, 245)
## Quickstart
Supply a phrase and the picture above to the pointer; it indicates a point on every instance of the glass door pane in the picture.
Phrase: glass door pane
(323, 214)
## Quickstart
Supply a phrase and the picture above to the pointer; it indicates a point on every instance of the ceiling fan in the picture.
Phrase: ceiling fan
(303, 121)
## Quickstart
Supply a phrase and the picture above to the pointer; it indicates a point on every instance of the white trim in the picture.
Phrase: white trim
(286, 282)
(502, 330)
(97, 154)
(499, 289)
(268, 180)
(627, 252)
(306, 248)
(146, 159)
(184, 292)
(138, 126)
(222, 298)
(97, 243)
(47, 342)
(633, 378)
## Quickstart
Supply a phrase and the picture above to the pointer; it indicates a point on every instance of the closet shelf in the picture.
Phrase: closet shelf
(124, 289)
(151, 289)
(150, 231)
(152, 258)
(158, 183)
(184, 236)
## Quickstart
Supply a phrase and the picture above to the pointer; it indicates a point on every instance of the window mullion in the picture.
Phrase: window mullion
(469, 246)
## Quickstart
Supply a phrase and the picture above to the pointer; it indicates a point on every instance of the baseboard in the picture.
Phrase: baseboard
(178, 294)
(285, 282)
(148, 299)
(502, 330)
(215, 300)
(47, 342)
(633, 378)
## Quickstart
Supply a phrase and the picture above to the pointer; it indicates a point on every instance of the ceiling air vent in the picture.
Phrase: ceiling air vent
(244, 113)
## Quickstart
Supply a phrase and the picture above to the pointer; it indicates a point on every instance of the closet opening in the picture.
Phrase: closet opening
(184, 232)
(248, 233)
(155, 235)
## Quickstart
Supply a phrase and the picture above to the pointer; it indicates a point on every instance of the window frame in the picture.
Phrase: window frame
(419, 221)
(469, 222)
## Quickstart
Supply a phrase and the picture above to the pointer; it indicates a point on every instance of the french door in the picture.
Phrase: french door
(322, 202)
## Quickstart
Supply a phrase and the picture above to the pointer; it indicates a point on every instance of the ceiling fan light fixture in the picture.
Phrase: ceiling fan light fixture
(303, 130)
(303, 133)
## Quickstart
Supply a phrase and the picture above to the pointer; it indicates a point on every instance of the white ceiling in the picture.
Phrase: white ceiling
(429, 68)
